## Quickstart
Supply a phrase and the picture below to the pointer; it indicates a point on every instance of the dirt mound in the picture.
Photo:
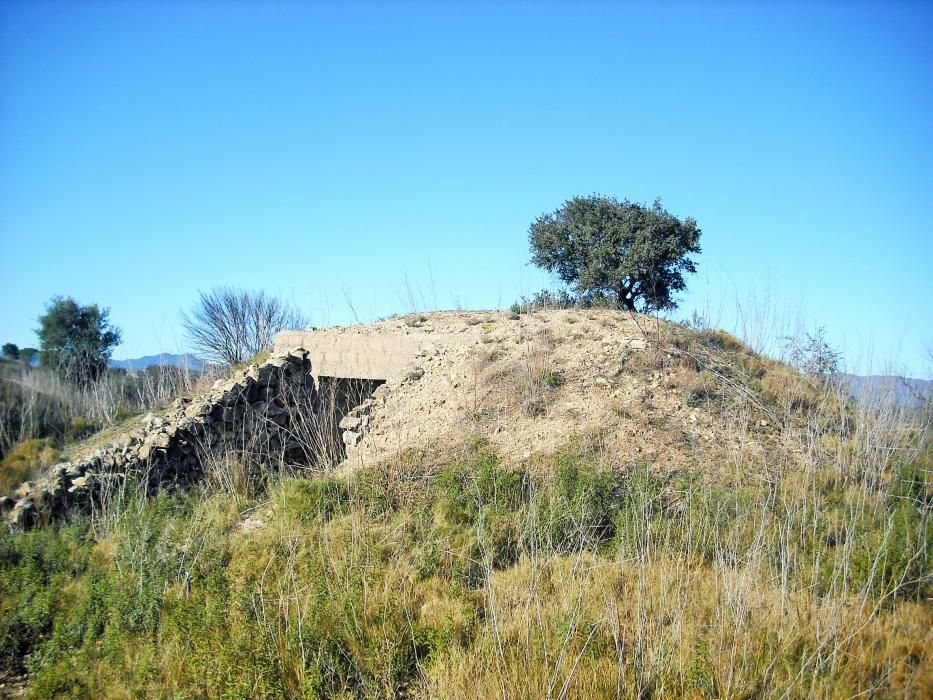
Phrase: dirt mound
(535, 384)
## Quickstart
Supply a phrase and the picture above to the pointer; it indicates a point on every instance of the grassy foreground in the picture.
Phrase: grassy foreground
(558, 579)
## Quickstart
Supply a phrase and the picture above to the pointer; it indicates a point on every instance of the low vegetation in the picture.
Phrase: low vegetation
(490, 581)
(802, 571)
(26, 458)
(39, 406)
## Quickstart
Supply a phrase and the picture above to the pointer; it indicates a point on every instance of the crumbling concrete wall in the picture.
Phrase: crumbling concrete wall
(345, 353)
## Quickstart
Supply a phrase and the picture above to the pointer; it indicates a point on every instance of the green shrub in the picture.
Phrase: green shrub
(315, 499)
(125, 413)
(894, 548)
(481, 484)
(578, 510)
(720, 340)
(458, 501)
(694, 398)
(178, 600)
(96, 608)
(500, 489)
(415, 320)
(701, 391)
(552, 379)
(80, 427)
(371, 489)
(35, 571)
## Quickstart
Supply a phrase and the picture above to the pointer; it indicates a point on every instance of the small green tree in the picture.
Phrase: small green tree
(28, 355)
(77, 340)
(11, 351)
(631, 253)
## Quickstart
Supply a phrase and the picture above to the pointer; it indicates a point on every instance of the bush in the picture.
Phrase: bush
(317, 499)
(720, 341)
(893, 549)
(535, 388)
(700, 392)
(814, 356)
(361, 590)
(24, 461)
(545, 300)
(36, 570)
(80, 427)
(371, 489)
(578, 510)
(481, 484)
(416, 320)
(552, 379)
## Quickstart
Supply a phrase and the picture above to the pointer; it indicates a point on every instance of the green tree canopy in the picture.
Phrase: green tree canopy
(631, 253)
(11, 350)
(75, 339)
(28, 355)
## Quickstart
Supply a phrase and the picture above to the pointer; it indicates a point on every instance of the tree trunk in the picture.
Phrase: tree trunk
(625, 297)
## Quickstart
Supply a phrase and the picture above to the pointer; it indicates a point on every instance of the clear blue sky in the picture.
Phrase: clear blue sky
(329, 153)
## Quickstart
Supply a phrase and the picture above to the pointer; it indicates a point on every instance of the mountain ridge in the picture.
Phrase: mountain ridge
(165, 359)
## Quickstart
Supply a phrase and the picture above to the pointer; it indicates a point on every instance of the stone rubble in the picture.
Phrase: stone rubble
(355, 424)
(168, 449)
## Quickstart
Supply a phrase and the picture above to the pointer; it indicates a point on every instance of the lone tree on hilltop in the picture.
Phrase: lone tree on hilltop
(632, 254)
(229, 325)
(76, 340)
(11, 351)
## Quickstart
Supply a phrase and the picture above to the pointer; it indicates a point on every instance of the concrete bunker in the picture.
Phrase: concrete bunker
(343, 407)
(350, 367)
(306, 405)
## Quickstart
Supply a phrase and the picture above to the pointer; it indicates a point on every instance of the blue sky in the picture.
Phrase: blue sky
(344, 154)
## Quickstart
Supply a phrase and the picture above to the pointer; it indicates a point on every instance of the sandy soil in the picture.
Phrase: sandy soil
(536, 384)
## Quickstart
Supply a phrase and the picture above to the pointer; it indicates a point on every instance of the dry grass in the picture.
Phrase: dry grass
(24, 461)
(582, 627)
(38, 403)
(782, 560)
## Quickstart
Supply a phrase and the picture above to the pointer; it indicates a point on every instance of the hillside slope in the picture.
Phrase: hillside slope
(567, 504)
(535, 384)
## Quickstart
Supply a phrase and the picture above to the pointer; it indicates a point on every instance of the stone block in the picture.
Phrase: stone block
(350, 422)
(351, 438)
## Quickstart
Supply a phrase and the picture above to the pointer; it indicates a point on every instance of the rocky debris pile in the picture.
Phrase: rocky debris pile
(357, 420)
(170, 449)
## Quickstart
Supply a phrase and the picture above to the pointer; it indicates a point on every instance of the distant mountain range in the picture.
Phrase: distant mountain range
(183, 361)
(905, 391)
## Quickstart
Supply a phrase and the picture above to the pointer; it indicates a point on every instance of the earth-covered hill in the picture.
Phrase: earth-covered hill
(574, 503)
